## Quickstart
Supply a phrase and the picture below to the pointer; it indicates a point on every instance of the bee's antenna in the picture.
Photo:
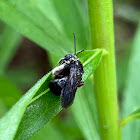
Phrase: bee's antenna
(74, 43)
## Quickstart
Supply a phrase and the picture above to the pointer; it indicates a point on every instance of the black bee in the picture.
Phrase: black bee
(67, 78)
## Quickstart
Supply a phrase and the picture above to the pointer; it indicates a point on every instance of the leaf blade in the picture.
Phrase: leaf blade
(133, 116)
(30, 117)
(9, 123)
(10, 40)
(10, 95)
(49, 37)
(85, 102)
(131, 93)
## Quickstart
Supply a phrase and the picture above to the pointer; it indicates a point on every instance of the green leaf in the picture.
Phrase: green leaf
(23, 76)
(67, 126)
(49, 132)
(131, 94)
(10, 40)
(133, 116)
(122, 68)
(59, 128)
(30, 127)
(85, 113)
(43, 107)
(10, 122)
(127, 12)
(90, 60)
(84, 108)
(8, 96)
(3, 108)
(54, 25)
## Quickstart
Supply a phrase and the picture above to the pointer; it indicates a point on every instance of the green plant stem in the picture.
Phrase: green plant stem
(102, 36)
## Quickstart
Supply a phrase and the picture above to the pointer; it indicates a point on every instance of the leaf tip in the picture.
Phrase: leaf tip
(105, 52)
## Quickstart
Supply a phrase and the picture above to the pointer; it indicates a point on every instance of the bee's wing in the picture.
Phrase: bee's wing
(68, 92)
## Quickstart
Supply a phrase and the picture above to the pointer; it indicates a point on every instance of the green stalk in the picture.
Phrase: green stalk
(102, 36)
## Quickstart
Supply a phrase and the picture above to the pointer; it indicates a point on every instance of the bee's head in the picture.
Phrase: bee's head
(69, 57)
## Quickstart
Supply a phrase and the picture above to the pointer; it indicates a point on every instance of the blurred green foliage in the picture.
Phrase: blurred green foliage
(50, 24)
(131, 96)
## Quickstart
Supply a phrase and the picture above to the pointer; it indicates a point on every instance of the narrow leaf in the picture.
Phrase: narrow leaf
(84, 108)
(85, 113)
(135, 115)
(10, 122)
(8, 96)
(49, 132)
(51, 30)
(10, 40)
(131, 94)
(43, 107)
(90, 60)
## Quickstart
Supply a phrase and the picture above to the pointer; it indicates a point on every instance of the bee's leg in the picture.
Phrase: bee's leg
(81, 84)
(55, 88)
(57, 85)
(79, 52)
(61, 83)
